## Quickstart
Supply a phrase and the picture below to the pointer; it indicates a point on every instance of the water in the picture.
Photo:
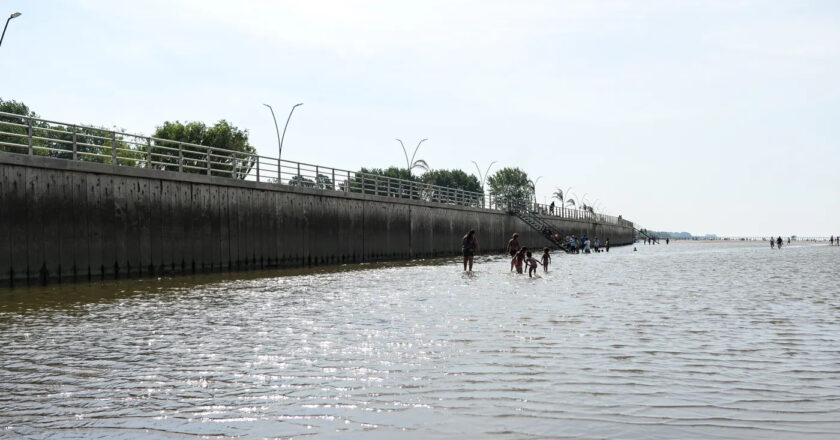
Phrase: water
(691, 340)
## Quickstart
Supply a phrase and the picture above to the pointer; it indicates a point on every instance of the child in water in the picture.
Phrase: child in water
(546, 259)
(532, 264)
(519, 259)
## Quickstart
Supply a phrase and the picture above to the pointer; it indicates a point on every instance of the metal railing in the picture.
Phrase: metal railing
(578, 214)
(43, 137)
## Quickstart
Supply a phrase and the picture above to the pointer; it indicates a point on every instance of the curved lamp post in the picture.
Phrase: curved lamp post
(281, 138)
(287, 126)
(15, 15)
(409, 164)
(534, 187)
(483, 177)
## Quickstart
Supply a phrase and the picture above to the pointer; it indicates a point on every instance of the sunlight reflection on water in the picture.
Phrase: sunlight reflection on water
(691, 340)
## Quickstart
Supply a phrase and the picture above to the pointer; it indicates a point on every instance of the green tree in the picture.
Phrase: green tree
(380, 182)
(393, 172)
(456, 179)
(15, 129)
(301, 181)
(322, 181)
(56, 140)
(510, 187)
(231, 154)
(93, 144)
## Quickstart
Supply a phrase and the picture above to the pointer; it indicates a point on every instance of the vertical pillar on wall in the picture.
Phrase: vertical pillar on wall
(148, 153)
(114, 147)
(333, 179)
(181, 158)
(75, 145)
(347, 183)
(257, 159)
(207, 160)
(29, 131)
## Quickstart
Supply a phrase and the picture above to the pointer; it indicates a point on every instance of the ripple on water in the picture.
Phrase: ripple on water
(682, 341)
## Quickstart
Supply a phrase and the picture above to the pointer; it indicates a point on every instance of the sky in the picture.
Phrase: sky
(701, 116)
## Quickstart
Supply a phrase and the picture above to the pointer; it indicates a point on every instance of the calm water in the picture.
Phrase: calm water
(691, 340)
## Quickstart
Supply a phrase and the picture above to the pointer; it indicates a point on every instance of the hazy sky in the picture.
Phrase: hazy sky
(699, 116)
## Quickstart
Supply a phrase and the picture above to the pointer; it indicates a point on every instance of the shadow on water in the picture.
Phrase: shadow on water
(22, 299)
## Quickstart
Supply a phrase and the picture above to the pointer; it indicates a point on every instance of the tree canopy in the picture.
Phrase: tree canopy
(226, 139)
(17, 108)
(510, 186)
(93, 144)
(393, 172)
(457, 179)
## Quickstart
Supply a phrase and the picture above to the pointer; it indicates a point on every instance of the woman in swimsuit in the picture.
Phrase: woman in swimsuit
(513, 247)
(469, 245)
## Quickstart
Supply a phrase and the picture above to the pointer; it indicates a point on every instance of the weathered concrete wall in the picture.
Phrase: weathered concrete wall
(74, 221)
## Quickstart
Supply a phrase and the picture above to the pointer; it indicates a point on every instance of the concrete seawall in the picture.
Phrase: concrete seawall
(71, 221)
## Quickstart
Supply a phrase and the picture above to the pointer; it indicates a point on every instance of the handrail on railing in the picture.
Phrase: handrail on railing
(37, 136)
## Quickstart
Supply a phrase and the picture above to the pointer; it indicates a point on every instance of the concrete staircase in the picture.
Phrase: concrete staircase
(536, 223)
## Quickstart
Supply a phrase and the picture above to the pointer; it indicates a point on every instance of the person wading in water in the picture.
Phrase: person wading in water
(469, 246)
(513, 247)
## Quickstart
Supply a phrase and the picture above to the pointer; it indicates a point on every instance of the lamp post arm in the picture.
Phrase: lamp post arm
(413, 155)
(480, 177)
(488, 168)
(276, 129)
(283, 137)
(4, 30)
(407, 164)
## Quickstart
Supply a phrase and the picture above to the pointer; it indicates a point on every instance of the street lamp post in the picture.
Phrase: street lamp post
(483, 178)
(279, 145)
(409, 164)
(535, 189)
(15, 15)
(281, 138)
(287, 126)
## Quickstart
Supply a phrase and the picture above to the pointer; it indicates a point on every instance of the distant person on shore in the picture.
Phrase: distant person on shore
(586, 245)
(469, 246)
(546, 259)
(597, 245)
(518, 260)
(513, 247)
(532, 264)
(788, 240)
(607, 244)
(551, 208)
(668, 240)
(779, 242)
(772, 243)
(831, 241)
(573, 244)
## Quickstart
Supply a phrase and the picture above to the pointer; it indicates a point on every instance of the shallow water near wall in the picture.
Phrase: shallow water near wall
(687, 340)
